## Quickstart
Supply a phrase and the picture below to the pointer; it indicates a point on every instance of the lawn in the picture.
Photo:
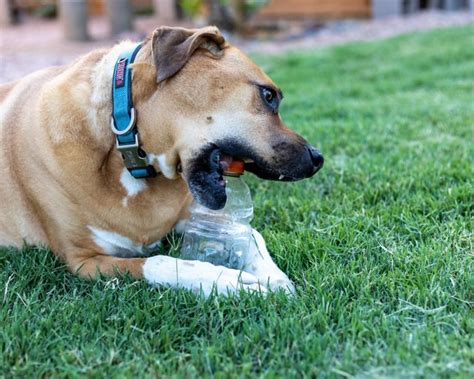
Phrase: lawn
(379, 243)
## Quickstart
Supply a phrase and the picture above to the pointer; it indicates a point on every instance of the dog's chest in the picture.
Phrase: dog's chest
(146, 211)
(120, 246)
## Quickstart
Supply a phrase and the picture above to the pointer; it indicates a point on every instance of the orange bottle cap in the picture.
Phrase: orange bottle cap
(236, 167)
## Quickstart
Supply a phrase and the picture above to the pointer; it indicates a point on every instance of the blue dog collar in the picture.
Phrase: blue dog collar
(124, 118)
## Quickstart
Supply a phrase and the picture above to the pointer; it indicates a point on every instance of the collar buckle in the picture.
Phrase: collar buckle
(133, 156)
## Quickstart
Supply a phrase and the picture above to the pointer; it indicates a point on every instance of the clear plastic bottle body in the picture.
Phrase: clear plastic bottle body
(221, 237)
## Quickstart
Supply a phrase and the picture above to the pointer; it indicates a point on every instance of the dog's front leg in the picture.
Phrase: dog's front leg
(198, 276)
(260, 263)
(166, 271)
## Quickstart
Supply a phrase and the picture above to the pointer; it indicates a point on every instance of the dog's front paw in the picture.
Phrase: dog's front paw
(260, 264)
(283, 284)
(226, 280)
(199, 277)
(277, 281)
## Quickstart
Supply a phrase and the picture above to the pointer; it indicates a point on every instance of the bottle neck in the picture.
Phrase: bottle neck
(233, 182)
(232, 174)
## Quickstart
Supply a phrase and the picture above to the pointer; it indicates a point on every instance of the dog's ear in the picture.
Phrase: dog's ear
(172, 47)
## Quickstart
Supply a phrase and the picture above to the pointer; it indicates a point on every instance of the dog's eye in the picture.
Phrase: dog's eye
(270, 98)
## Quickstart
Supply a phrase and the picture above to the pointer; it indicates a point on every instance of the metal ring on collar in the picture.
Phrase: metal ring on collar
(129, 127)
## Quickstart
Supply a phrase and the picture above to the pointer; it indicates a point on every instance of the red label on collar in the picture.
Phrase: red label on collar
(120, 73)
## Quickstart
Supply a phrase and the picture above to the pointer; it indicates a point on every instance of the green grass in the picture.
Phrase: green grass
(379, 244)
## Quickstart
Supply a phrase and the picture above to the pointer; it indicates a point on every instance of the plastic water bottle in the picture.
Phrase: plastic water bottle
(222, 237)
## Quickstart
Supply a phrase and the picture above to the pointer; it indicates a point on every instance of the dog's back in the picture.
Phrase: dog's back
(19, 222)
(5, 89)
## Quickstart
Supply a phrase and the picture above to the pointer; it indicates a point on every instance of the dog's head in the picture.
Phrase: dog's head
(210, 103)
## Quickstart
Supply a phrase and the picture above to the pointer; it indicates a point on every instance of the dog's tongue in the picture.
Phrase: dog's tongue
(231, 165)
(225, 161)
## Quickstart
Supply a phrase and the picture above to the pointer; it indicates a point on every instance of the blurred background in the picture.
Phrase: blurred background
(39, 33)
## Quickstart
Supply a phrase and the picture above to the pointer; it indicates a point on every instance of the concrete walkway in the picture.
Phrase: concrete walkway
(36, 44)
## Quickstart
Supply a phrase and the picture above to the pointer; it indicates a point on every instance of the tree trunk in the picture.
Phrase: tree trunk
(228, 17)
(120, 16)
(74, 19)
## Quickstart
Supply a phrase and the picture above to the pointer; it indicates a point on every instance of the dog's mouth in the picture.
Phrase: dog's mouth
(205, 172)
(250, 165)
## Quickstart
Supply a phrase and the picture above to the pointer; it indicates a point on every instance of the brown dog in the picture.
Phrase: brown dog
(64, 184)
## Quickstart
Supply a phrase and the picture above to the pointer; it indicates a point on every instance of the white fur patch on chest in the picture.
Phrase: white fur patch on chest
(120, 246)
(167, 170)
(131, 185)
(115, 244)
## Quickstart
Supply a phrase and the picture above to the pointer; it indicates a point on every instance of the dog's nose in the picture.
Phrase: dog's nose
(316, 157)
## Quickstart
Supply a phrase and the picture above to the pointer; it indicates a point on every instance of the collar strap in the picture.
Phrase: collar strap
(124, 118)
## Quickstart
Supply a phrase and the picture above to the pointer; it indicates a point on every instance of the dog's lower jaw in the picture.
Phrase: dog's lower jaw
(207, 190)
(203, 174)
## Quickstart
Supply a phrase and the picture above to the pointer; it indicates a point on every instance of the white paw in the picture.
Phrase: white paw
(200, 277)
(260, 264)
(274, 280)
(284, 284)
(225, 280)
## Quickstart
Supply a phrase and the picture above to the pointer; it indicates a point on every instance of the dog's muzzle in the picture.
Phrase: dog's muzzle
(316, 157)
